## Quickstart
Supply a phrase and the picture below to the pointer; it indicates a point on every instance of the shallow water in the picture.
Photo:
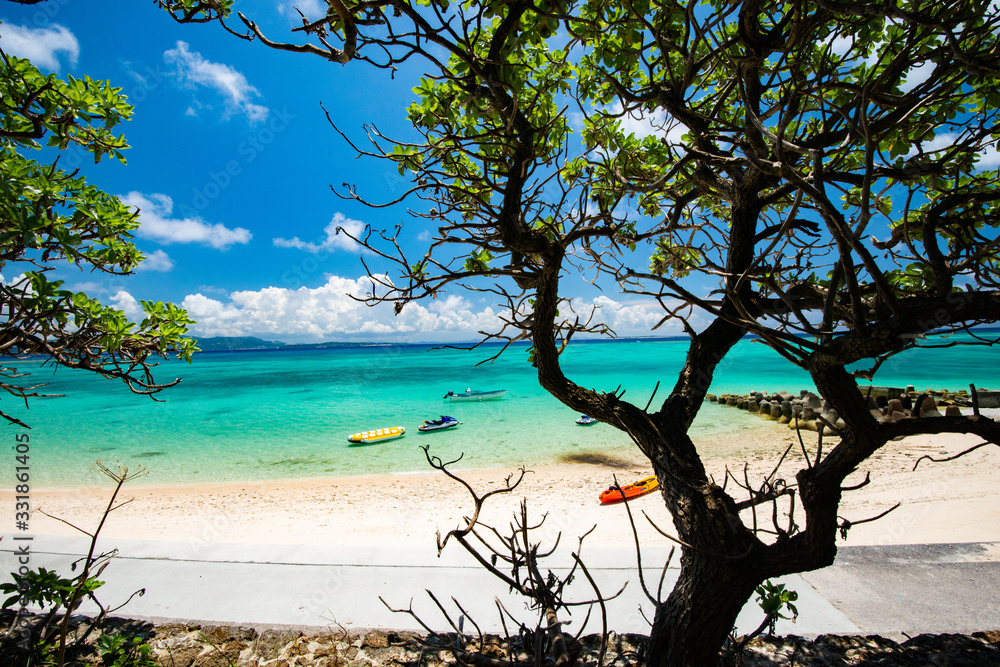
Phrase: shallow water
(284, 414)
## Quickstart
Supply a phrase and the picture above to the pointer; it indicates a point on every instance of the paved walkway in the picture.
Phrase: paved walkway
(869, 590)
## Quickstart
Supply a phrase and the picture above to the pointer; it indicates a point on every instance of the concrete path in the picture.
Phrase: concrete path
(914, 589)
(869, 590)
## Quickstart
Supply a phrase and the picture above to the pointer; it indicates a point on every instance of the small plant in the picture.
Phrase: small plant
(772, 598)
(45, 641)
(118, 650)
(43, 587)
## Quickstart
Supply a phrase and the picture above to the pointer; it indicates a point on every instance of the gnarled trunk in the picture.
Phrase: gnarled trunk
(691, 626)
(722, 563)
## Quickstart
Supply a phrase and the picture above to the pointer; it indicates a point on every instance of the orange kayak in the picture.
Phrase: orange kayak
(633, 490)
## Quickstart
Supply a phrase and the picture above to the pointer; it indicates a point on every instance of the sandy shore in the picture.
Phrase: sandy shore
(957, 501)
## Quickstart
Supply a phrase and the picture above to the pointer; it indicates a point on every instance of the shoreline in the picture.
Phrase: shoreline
(958, 501)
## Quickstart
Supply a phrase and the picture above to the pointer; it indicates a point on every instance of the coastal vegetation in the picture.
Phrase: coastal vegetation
(50, 219)
(820, 174)
(44, 627)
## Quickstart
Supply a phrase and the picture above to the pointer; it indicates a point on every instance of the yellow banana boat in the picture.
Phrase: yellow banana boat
(378, 435)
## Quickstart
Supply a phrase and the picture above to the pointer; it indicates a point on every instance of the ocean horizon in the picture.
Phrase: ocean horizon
(254, 415)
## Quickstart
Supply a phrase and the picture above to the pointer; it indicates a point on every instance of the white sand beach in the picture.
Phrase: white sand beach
(958, 501)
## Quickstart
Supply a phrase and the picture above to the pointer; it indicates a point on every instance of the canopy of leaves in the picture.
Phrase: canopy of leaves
(50, 218)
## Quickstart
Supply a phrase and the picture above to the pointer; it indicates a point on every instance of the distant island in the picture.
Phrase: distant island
(249, 343)
(234, 343)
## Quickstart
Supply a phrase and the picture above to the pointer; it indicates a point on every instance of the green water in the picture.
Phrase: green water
(283, 414)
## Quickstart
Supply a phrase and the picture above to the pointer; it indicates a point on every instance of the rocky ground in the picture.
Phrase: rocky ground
(188, 645)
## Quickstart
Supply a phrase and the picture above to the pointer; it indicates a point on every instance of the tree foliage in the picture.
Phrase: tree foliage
(52, 218)
(830, 168)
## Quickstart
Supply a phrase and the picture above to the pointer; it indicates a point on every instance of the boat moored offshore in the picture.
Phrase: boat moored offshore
(469, 395)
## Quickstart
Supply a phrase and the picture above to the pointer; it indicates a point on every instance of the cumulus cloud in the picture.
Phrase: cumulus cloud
(127, 303)
(629, 318)
(236, 91)
(41, 46)
(331, 240)
(157, 225)
(329, 312)
(156, 261)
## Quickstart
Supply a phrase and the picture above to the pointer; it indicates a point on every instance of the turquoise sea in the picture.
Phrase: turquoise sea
(243, 416)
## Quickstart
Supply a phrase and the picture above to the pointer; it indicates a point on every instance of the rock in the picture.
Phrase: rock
(953, 411)
(804, 424)
(929, 409)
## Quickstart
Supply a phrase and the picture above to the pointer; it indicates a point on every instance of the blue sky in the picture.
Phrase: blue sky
(230, 166)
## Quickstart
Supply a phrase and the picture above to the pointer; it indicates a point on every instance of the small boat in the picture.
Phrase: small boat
(438, 424)
(378, 435)
(633, 490)
(469, 395)
(586, 420)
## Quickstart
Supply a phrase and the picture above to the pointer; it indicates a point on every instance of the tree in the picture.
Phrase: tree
(50, 217)
(792, 135)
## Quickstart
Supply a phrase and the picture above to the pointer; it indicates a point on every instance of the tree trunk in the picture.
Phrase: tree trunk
(690, 627)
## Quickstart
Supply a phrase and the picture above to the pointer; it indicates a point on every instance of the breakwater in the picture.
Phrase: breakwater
(808, 411)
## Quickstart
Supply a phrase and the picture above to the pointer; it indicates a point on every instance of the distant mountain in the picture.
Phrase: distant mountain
(233, 343)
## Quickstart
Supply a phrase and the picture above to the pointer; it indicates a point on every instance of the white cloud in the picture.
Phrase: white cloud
(644, 124)
(917, 75)
(231, 84)
(329, 313)
(631, 318)
(127, 303)
(89, 287)
(840, 44)
(16, 282)
(313, 9)
(989, 158)
(40, 45)
(156, 261)
(331, 240)
(154, 214)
